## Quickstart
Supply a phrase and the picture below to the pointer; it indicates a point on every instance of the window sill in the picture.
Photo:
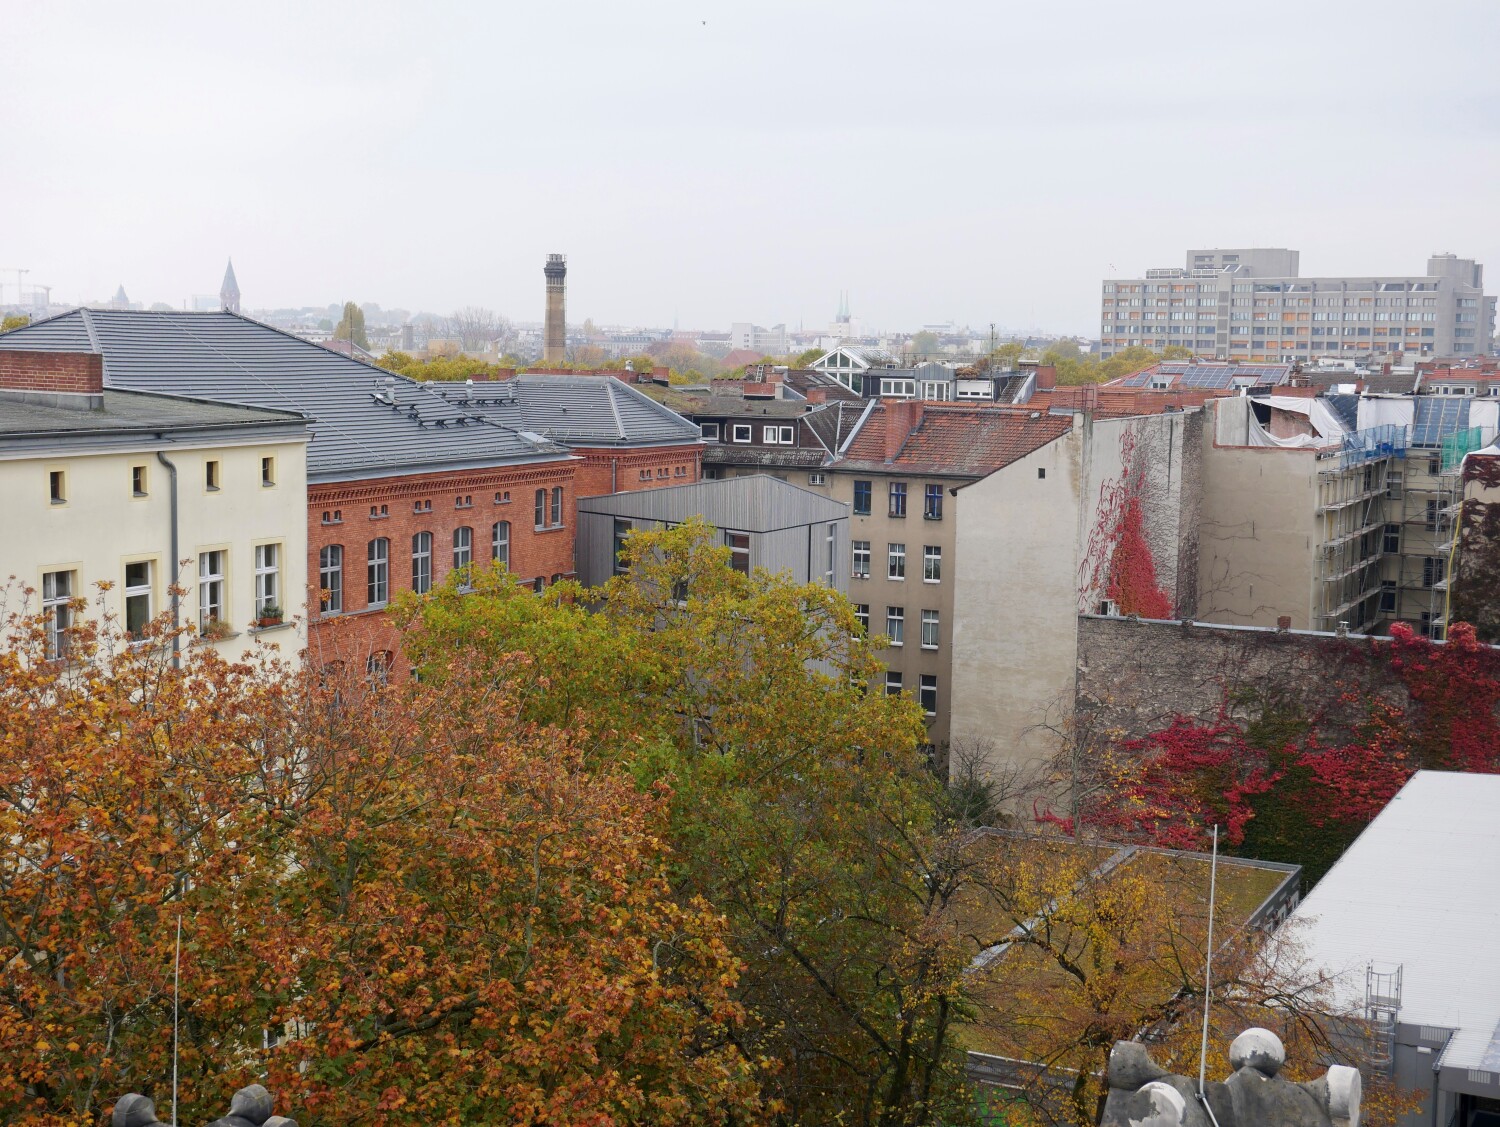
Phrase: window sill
(550, 528)
(272, 628)
(896, 578)
(930, 649)
(932, 518)
(231, 636)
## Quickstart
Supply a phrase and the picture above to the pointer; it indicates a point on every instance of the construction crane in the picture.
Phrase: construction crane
(21, 273)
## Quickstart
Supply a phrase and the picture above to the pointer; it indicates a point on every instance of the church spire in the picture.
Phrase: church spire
(229, 292)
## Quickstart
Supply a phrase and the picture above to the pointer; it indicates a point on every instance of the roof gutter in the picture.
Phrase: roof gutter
(175, 588)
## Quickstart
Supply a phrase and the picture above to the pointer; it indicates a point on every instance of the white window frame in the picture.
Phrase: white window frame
(267, 577)
(859, 552)
(378, 572)
(57, 598)
(895, 562)
(895, 625)
(927, 683)
(740, 432)
(932, 563)
(931, 629)
(144, 590)
(463, 547)
(421, 562)
(212, 587)
(500, 543)
(331, 567)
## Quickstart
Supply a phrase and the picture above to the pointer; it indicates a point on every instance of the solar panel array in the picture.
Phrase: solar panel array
(1185, 374)
(1435, 417)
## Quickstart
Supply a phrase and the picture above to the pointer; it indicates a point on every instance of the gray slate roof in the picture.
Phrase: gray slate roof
(757, 503)
(574, 410)
(231, 358)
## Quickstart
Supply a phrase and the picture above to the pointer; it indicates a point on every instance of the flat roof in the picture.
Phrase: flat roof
(133, 411)
(1420, 887)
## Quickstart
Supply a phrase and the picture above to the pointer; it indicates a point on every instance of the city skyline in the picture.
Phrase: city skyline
(708, 165)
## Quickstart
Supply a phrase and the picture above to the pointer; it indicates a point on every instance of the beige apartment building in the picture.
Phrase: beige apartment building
(140, 491)
(899, 472)
(1350, 530)
(1039, 542)
(1253, 304)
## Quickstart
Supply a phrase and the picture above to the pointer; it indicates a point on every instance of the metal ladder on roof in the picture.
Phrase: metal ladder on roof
(1382, 1010)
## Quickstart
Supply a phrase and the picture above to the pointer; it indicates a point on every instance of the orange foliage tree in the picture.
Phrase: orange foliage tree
(398, 905)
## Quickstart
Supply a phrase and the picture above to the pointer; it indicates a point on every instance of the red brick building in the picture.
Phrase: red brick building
(406, 481)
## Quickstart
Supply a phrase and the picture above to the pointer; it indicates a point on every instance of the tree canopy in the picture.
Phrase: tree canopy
(351, 326)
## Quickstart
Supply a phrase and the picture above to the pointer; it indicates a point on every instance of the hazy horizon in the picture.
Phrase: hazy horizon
(709, 163)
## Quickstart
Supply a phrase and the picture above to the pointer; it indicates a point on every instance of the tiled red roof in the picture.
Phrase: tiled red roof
(968, 441)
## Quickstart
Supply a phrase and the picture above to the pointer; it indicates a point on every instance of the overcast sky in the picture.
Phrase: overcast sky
(710, 162)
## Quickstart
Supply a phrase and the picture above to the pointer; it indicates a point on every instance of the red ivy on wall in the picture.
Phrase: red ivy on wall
(1169, 787)
(1119, 561)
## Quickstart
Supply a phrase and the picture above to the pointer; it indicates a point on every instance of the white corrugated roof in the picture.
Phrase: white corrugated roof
(1420, 887)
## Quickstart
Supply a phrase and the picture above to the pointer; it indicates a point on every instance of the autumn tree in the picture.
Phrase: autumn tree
(351, 326)
(1091, 945)
(802, 808)
(431, 905)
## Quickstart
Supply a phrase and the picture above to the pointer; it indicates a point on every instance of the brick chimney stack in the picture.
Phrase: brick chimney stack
(902, 416)
(555, 337)
(53, 379)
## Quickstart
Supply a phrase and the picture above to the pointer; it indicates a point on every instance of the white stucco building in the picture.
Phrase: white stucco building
(138, 491)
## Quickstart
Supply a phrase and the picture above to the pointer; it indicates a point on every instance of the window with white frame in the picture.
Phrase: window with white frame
(895, 561)
(267, 579)
(927, 693)
(929, 629)
(500, 543)
(137, 597)
(421, 563)
(331, 578)
(892, 683)
(57, 596)
(932, 563)
(463, 547)
(557, 508)
(830, 540)
(378, 572)
(740, 432)
(895, 625)
(211, 605)
(860, 552)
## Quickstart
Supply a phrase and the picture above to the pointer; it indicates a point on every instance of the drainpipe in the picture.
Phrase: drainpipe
(176, 598)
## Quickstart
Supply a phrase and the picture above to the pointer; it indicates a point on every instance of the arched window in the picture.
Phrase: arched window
(331, 578)
(421, 563)
(378, 572)
(500, 542)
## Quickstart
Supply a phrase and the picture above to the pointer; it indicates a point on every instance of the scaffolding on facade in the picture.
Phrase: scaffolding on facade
(1352, 495)
(1432, 509)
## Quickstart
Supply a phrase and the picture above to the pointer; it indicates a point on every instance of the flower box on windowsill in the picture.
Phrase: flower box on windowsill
(266, 621)
(216, 630)
(279, 624)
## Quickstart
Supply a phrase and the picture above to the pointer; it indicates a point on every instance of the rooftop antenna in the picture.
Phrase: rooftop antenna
(1208, 962)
